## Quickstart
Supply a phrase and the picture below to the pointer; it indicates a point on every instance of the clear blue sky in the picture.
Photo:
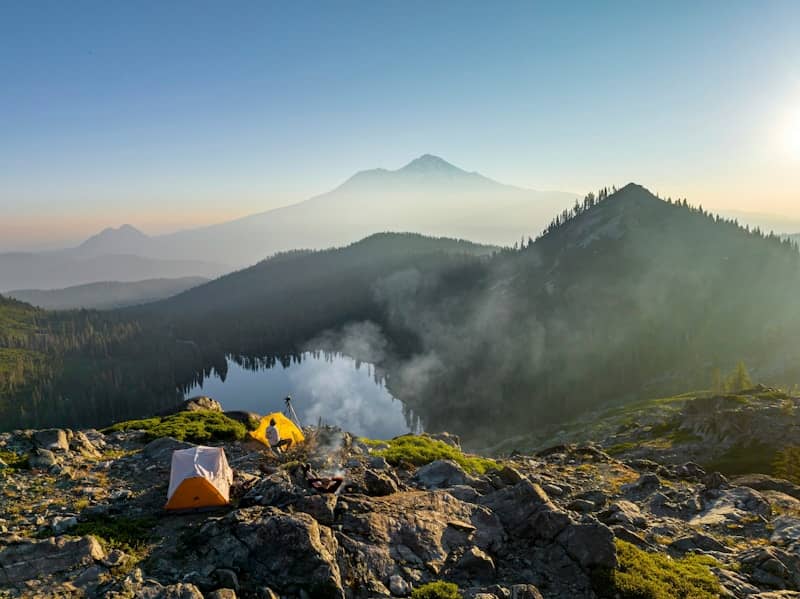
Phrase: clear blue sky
(170, 113)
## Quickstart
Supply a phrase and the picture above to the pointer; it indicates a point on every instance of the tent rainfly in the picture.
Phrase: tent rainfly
(200, 477)
(286, 429)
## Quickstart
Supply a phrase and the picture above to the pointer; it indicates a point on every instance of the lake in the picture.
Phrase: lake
(328, 388)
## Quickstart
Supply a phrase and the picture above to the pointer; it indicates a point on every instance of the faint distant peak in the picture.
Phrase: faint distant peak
(121, 230)
(423, 170)
(123, 238)
(428, 163)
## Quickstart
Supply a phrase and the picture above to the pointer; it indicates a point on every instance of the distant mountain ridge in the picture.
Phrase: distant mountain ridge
(428, 195)
(106, 295)
(55, 270)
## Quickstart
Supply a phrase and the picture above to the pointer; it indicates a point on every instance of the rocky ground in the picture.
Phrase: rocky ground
(81, 515)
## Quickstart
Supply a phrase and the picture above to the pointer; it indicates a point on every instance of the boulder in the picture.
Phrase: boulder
(90, 577)
(227, 578)
(732, 506)
(516, 505)
(449, 438)
(510, 475)
(42, 459)
(582, 506)
(771, 567)
(647, 483)
(689, 471)
(786, 531)
(222, 594)
(32, 560)
(398, 586)
(715, 480)
(160, 450)
(321, 507)
(379, 483)
(762, 482)
(61, 524)
(442, 473)
(278, 489)
(525, 591)
(182, 590)
(288, 552)
(697, 542)
(591, 544)
(81, 444)
(197, 404)
(472, 566)
(419, 530)
(378, 462)
(624, 513)
(526, 511)
(53, 439)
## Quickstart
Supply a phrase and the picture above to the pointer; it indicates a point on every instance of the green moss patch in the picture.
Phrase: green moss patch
(437, 590)
(130, 535)
(197, 427)
(420, 450)
(643, 575)
(621, 448)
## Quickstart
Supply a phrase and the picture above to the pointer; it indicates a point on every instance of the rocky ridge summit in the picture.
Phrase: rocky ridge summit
(81, 516)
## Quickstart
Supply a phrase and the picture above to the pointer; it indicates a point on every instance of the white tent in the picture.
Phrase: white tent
(200, 477)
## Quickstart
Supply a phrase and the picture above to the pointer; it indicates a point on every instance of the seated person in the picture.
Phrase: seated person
(274, 438)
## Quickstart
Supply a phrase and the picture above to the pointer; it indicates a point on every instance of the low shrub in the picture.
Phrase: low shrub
(744, 459)
(437, 590)
(786, 463)
(13, 460)
(421, 450)
(198, 427)
(643, 575)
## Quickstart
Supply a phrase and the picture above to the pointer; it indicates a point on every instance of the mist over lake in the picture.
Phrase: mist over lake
(331, 388)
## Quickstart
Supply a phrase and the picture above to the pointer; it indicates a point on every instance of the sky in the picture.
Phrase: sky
(169, 115)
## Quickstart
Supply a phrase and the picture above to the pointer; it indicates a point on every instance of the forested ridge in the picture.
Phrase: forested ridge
(87, 367)
(622, 296)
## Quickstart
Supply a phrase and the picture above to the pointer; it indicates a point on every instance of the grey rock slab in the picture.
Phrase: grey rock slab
(31, 560)
(442, 473)
(54, 439)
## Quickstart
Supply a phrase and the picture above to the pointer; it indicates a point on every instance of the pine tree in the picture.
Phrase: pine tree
(739, 379)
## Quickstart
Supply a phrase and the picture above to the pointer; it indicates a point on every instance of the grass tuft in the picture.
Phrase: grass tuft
(437, 590)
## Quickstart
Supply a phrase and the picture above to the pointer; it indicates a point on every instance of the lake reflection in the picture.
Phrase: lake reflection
(333, 389)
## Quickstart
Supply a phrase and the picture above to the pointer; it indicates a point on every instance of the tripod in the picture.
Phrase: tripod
(289, 411)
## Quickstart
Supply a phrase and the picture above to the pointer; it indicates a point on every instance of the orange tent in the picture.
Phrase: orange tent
(286, 429)
(199, 477)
